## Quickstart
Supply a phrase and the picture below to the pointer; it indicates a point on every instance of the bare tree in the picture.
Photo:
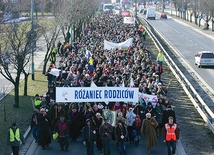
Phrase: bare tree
(15, 55)
(73, 14)
(207, 9)
(66, 13)
(50, 32)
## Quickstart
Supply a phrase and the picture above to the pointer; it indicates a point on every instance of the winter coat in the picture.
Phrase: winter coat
(166, 114)
(148, 130)
(89, 133)
(106, 128)
(62, 129)
(119, 132)
(130, 118)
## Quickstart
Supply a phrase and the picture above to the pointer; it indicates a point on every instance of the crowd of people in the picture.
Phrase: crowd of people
(113, 68)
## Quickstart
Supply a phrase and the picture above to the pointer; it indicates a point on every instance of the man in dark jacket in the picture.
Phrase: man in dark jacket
(14, 136)
(62, 129)
(120, 135)
(106, 131)
(167, 113)
(89, 136)
(98, 121)
(44, 129)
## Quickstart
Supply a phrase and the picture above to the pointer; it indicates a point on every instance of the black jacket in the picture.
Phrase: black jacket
(121, 131)
(89, 133)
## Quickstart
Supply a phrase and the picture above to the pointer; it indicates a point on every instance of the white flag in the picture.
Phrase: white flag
(131, 82)
(93, 84)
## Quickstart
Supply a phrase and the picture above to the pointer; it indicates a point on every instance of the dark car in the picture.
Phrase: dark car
(163, 16)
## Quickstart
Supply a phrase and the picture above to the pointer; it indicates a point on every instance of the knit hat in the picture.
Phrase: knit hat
(148, 114)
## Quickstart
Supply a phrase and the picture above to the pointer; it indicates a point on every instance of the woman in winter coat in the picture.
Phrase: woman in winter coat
(148, 130)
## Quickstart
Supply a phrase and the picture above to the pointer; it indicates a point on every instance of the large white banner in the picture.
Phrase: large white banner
(96, 94)
(129, 20)
(110, 45)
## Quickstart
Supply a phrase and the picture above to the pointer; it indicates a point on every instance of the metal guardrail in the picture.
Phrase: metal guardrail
(201, 106)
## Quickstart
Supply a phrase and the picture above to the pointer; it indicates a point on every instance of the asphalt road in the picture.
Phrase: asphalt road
(77, 148)
(187, 42)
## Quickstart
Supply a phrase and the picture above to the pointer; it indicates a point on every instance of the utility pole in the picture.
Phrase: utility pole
(32, 30)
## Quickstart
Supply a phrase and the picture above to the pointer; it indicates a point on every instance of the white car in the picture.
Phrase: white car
(204, 58)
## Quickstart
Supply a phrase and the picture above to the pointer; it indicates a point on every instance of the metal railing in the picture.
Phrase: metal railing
(195, 98)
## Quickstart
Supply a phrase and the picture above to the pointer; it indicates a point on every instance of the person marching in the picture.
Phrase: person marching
(136, 130)
(89, 136)
(44, 129)
(62, 129)
(171, 135)
(14, 136)
(130, 118)
(160, 58)
(121, 135)
(106, 131)
(148, 129)
(98, 120)
(37, 101)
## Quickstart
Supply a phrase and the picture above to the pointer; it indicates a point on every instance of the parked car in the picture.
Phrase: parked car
(204, 58)
(163, 16)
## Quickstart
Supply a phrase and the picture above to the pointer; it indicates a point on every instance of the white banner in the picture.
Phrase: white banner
(54, 72)
(110, 45)
(129, 20)
(96, 94)
(149, 98)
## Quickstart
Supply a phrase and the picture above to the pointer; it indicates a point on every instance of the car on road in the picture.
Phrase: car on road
(204, 58)
(151, 13)
(163, 15)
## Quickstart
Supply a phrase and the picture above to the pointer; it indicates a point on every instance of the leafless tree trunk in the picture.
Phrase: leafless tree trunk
(15, 55)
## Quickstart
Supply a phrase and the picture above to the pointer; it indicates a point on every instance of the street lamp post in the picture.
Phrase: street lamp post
(32, 30)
